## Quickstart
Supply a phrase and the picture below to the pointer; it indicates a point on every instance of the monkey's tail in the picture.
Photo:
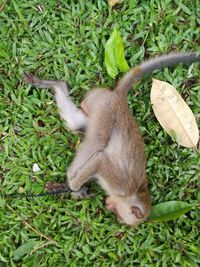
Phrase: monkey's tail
(159, 62)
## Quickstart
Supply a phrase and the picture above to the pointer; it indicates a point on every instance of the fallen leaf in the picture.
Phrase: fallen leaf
(169, 210)
(173, 114)
(113, 2)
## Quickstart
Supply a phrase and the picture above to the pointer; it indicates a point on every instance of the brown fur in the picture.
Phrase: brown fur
(116, 154)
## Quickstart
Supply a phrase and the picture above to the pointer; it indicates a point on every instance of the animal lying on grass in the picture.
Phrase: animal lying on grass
(113, 149)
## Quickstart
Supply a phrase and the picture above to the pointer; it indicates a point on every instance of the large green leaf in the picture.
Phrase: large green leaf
(169, 210)
(24, 249)
(114, 55)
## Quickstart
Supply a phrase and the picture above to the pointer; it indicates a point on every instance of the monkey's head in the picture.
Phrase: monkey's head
(132, 209)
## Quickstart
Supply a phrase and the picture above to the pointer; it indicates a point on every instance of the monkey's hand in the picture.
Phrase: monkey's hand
(83, 192)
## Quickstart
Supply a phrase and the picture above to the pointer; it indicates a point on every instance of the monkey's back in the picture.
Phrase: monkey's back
(125, 148)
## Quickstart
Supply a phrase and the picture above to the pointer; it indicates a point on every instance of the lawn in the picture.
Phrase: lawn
(66, 40)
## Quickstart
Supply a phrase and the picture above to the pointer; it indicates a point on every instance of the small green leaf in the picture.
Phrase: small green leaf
(169, 210)
(2, 203)
(112, 255)
(2, 259)
(24, 249)
(114, 55)
(19, 13)
(110, 58)
(119, 52)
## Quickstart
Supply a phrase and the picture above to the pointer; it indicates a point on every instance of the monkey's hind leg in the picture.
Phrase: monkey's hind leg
(76, 119)
(85, 174)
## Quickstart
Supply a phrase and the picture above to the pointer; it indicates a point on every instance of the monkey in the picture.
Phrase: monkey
(112, 151)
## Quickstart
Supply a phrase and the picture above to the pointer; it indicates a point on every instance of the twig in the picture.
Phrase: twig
(33, 229)
(2, 6)
(42, 246)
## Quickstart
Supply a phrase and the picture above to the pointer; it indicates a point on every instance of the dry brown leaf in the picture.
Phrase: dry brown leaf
(113, 2)
(173, 114)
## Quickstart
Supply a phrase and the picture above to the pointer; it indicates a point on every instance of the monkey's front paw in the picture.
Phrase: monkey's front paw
(73, 185)
(30, 78)
(82, 193)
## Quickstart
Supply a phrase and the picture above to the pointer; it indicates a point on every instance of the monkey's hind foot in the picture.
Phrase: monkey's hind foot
(31, 79)
(57, 187)
(83, 192)
(64, 187)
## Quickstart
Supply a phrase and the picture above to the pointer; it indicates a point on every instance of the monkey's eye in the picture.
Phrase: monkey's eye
(137, 212)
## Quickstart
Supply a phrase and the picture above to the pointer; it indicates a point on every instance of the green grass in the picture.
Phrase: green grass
(65, 40)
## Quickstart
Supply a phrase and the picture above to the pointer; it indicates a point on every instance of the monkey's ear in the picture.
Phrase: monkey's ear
(84, 106)
(137, 212)
(143, 187)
